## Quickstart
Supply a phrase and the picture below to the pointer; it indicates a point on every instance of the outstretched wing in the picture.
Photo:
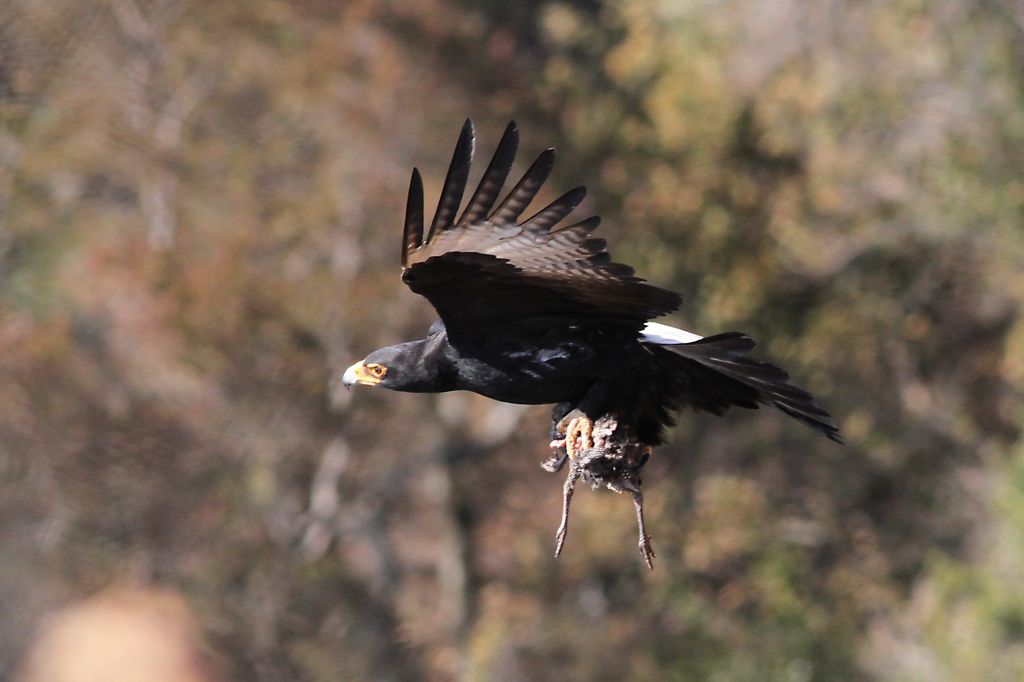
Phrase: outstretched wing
(486, 270)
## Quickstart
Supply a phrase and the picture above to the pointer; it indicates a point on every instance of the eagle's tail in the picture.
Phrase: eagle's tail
(715, 373)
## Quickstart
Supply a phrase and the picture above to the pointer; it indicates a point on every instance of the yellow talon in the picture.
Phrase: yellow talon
(581, 428)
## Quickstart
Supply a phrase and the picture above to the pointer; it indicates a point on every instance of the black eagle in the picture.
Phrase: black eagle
(535, 312)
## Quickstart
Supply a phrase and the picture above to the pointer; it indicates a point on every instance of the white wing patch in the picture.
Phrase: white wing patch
(665, 335)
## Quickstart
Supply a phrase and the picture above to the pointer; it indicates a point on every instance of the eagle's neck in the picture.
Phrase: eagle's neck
(430, 368)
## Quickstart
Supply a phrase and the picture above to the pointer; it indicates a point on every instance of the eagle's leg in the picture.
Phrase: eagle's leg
(578, 437)
(567, 491)
(559, 424)
(596, 403)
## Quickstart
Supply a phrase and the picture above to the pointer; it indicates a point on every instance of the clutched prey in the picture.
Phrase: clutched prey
(534, 311)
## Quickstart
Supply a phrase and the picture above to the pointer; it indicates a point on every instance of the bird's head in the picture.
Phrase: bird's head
(400, 368)
(380, 368)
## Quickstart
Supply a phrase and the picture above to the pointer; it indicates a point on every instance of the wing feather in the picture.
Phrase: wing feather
(525, 190)
(716, 373)
(587, 225)
(412, 235)
(454, 181)
(553, 213)
(491, 272)
(493, 178)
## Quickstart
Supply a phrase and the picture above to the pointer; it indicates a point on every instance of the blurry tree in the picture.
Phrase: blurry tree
(198, 215)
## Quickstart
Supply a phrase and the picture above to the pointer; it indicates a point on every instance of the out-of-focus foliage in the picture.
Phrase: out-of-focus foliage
(199, 212)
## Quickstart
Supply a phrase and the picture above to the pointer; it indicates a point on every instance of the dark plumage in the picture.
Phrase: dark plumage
(535, 313)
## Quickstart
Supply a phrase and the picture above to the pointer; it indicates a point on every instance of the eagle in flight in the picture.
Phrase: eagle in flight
(536, 312)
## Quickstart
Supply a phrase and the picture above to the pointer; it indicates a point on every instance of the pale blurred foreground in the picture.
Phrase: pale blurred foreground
(122, 635)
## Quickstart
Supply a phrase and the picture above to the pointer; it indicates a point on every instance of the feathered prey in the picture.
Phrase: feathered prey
(535, 312)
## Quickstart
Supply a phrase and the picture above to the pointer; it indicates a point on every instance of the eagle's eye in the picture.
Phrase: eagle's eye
(378, 371)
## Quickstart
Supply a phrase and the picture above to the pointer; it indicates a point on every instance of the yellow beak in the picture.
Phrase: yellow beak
(358, 374)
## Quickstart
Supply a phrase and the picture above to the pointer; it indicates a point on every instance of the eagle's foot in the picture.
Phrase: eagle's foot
(556, 461)
(578, 436)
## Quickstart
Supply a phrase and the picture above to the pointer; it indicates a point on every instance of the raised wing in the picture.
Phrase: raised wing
(487, 270)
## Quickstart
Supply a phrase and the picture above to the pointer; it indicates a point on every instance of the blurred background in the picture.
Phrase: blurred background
(200, 207)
